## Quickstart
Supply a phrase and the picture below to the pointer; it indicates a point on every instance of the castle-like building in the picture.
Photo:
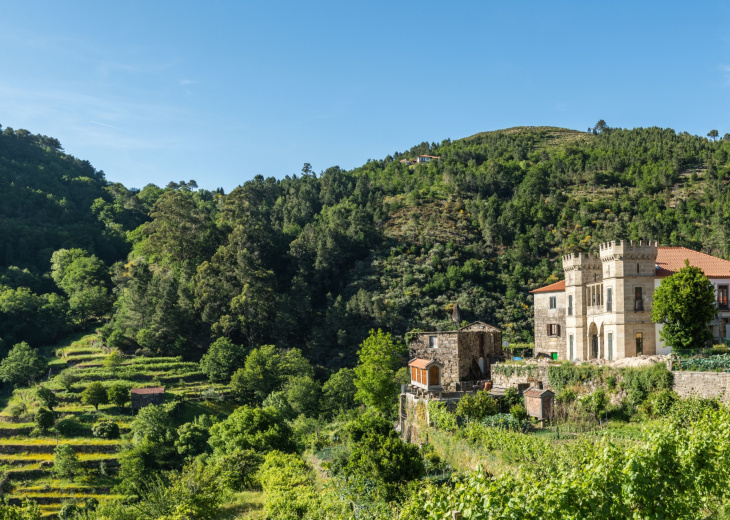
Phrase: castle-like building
(602, 309)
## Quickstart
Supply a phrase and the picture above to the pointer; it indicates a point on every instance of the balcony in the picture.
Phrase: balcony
(722, 303)
(638, 305)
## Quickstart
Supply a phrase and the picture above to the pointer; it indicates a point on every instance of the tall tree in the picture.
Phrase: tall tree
(684, 304)
(375, 380)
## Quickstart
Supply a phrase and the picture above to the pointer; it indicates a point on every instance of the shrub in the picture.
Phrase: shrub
(441, 417)
(511, 398)
(661, 402)
(71, 427)
(106, 430)
(67, 378)
(66, 463)
(566, 396)
(477, 406)
(595, 403)
(46, 396)
(18, 409)
(519, 412)
(114, 359)
(44, 419)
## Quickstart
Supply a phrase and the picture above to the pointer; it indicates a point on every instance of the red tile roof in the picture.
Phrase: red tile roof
(669, 260)
(151, 390)
(420, 363)
(557, 286)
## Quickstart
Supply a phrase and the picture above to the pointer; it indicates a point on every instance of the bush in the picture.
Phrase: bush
(66, 463)
(106, 430)
(67, 379)
(639, 382)
(661, 403)
(114, 359)
(595, 403)
(71, 427)
(477, 406)
(511, 398)
(519, 412)
(44, 419)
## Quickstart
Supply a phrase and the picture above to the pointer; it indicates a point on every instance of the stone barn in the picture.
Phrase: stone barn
(453, 357)
(141, 397)
(539, 403)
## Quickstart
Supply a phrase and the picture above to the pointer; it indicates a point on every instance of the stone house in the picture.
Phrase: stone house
(142, 397)
(442, 361)
(602, 308)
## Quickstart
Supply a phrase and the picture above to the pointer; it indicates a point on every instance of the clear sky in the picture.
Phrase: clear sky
(219, 91)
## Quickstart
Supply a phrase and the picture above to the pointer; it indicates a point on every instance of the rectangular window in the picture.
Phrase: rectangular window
(609, 299)
(553, 302)
(571, 347)
(553, 329)
(722, 296)
(593, 296)
(638, 300)
(639, 343)
(610, 346)
(570, 305)
(433, 341)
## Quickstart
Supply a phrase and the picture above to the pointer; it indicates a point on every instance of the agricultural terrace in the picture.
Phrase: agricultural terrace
(27, 451)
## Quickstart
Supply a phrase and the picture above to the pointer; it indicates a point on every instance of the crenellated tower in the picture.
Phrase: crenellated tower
(580, 270)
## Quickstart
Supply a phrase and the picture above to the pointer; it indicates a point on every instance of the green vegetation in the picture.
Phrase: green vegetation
(684, 303)
(270, 314)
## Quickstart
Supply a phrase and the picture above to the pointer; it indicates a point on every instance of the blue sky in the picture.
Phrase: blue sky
(221, 91)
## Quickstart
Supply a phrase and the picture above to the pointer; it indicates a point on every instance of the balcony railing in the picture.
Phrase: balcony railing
(722, 303)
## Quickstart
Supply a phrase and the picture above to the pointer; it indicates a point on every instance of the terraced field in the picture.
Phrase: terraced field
(27, 455)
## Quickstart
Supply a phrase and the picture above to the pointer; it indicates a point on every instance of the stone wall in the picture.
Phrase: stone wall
(545, 316)
(522, 375)
(702, 384)
(469, 349)
(446, 353)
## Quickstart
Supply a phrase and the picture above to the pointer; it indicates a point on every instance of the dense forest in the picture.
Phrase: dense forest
(314, 261)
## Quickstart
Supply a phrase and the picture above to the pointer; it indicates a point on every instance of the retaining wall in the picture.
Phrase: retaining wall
(702, 384)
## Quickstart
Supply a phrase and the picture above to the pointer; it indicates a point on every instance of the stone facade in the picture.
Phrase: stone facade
(464, 354)
(605, 302)
(550, 323)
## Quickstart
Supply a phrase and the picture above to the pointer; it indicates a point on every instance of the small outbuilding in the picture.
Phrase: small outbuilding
(141, 397)
(426, 374)
(539, 403)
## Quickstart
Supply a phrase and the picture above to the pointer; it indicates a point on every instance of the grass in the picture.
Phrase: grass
(246, 504)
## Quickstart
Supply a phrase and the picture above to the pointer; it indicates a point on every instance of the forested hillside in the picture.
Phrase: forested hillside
(316, 260)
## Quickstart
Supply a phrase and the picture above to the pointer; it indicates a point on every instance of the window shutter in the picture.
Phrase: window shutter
(558, 330)
(548, 329)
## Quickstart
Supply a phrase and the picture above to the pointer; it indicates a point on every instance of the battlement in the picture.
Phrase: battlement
(628, 249)
(581, 261)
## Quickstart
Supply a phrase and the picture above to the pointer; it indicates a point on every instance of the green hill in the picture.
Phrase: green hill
(316, 260)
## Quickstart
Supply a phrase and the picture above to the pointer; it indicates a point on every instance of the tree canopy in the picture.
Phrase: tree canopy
(684, 304)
